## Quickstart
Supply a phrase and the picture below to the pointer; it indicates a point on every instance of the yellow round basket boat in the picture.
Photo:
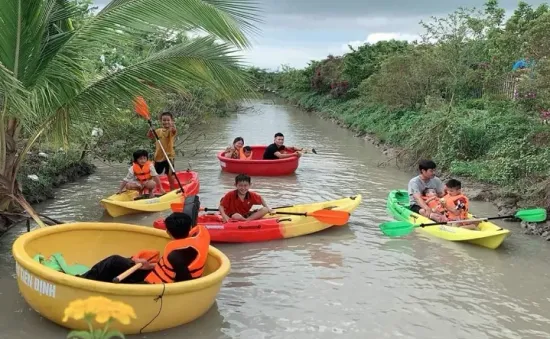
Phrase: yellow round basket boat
(49, 292)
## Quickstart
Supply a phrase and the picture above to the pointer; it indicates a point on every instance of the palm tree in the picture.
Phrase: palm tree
(44, 83)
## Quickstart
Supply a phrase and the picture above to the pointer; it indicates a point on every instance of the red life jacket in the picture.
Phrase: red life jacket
(199, 239)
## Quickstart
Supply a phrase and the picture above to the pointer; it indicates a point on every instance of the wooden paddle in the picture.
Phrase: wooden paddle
(141, 108)
(337, 218)
(126, 273)
(401, 228)
(153, 256)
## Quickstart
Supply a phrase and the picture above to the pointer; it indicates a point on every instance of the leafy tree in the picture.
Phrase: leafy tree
(45, 61)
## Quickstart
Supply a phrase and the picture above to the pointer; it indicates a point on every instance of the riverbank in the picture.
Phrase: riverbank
(482, 157)
(43, 172)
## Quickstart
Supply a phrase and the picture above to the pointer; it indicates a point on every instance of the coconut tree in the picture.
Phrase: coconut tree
(44, 60)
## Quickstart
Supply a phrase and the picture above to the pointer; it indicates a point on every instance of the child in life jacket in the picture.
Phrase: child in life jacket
(247, 152)
(457, 204)
(142, 175)
(432, 200)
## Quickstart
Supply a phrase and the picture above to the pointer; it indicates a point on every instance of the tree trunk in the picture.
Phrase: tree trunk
(11, 197)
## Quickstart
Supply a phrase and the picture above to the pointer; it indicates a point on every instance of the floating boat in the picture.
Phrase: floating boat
(489, 235)
(270, 228)
(130, 202)
(257, 166)
(49, 292)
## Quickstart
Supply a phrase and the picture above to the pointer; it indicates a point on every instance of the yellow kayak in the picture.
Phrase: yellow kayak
(49, 292)
(122, 204)
(273, 227)
(489, 235)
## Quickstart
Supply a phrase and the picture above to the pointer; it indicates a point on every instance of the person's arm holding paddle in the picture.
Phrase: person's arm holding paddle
(287, 155)
(269, 209)
(224, 215)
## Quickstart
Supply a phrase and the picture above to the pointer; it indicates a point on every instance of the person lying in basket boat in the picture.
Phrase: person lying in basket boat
(142, 175)
(457, 204)
(420, 183)
(237, 203)
(277, 150)
(183, 259)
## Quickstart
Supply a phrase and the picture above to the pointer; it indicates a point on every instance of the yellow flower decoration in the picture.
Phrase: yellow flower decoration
(103, 308)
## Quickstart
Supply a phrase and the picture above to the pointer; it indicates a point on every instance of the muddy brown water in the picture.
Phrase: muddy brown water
(346, 282)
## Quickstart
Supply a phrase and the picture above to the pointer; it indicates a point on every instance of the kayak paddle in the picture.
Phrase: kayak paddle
(142, 109)
(337, 218)
(401, 228)
(153, 258)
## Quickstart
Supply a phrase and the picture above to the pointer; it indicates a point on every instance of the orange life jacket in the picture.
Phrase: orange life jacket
(199, 239)
(242, 156)
(434, 204)
(143, 174)
(453, 202)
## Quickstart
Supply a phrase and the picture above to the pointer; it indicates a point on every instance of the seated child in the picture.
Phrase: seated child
(432, 200)
(142, 175)
(457, 204)
(247, 153)
(236, 204)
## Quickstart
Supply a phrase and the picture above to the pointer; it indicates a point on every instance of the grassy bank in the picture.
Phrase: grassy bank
(493, 144)
(42, 172)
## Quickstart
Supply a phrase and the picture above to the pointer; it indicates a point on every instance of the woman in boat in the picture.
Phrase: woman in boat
(234, 151)
(183, 259)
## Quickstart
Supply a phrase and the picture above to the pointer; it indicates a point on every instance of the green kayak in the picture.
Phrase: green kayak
(488, 234)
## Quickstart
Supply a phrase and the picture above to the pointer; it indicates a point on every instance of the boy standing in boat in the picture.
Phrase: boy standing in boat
(237, 203)
(420, 183)
(167, 135)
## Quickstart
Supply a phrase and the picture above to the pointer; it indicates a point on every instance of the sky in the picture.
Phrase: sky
(294, 32)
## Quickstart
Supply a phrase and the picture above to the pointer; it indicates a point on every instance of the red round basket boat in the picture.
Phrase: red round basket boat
(257, 166)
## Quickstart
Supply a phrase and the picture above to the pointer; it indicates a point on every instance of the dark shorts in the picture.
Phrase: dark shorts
(415, 208)
(163, 167)
(244, 216)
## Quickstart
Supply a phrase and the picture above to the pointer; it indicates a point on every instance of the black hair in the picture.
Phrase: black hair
(166, 114)
(242, 178)
(453, 184)
(237, 139)
(426, 165)
(279, 134)
(140, 153)
(247, 149)
(179, 225)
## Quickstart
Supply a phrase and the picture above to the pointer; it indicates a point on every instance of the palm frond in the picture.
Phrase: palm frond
(229, 20)
(13, 95)
(199, 62)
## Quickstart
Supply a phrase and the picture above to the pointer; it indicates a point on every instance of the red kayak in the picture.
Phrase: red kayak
(189, 180)
(257, 166)
(236, 231)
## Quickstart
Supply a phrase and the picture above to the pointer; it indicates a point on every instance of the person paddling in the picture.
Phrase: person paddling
(420, 183)
(277, 150)
(183, 258)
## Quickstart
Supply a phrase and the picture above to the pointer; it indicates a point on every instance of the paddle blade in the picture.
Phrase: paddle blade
(396, 228)
(531, 215)
(314, 151)
(332, 217)
(141, 108)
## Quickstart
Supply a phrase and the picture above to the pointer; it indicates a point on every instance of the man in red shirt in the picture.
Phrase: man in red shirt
(237, 204)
